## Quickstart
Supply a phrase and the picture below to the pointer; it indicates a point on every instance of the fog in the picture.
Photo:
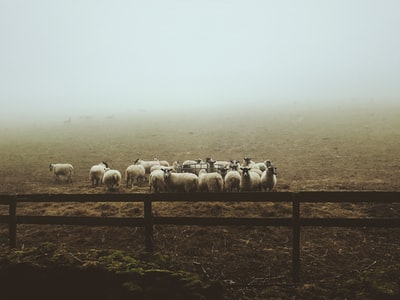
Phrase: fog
(67, 61)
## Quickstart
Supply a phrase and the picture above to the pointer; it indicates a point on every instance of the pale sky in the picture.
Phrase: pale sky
(82, 57)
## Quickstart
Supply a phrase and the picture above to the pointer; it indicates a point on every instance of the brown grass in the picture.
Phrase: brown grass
(339, 150)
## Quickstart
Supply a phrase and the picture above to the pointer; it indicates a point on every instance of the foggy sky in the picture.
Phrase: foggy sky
(63, 58)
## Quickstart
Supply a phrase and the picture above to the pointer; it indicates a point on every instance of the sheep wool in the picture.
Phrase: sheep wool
(112, 179)
(62, 169)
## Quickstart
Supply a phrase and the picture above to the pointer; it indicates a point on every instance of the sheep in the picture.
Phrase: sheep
(61, 169)
(194, 166)
(232, 180)
(174, 167)
(210, 182)
(216, 165)
(268, 163)
(183, 182)
(247, 162)
(249, 181)
(261, 166)
(157, 182)
(134, 174)
(147, 164)
(256, 170)
(96, 173)
(163, 163)
(112, 179)
(268, 179)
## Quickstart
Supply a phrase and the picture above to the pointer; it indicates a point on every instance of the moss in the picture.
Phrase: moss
(100, 274)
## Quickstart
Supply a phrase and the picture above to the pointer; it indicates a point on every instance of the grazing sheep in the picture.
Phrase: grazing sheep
(180, 182)
(249, 181)
(210, 182)
(157, 182)
(232, 181)
(134, 174)
(96, 173)
(268, 179)
(65, 170)
(112, 179)
(147, 164)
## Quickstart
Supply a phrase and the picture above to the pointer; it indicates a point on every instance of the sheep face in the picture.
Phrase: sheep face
(245, 171)
(167, 172)
(271, 170)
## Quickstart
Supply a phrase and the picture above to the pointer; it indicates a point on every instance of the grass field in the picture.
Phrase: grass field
(336, 149)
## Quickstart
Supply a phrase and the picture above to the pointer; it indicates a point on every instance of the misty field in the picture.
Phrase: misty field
(334, 150)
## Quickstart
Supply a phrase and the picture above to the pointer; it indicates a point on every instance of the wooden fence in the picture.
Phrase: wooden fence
(295, 222)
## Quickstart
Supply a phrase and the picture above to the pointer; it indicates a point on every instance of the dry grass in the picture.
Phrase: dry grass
(337, 151)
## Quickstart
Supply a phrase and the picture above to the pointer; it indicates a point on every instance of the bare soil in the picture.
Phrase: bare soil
(333, 149)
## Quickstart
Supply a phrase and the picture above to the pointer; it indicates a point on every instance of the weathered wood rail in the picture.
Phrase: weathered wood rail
(148, 220)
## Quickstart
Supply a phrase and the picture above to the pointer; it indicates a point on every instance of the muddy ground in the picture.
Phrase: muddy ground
(356, 147)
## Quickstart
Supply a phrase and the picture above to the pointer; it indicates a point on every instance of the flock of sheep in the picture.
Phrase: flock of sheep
(190, 176)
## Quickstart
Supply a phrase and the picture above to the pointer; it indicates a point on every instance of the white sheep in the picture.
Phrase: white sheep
(174, 167)
(182, 182)
(248, 162)
(163, 162)
(268, 179)
(96, 173)
(232, 181)
(234, 165)
(157, 182)
(112, 179)
(263, 165)
(147, 164)
(194, 166)
(210, 182)
(134, 174)
(249, 181)
(61, 169)
(256, 170)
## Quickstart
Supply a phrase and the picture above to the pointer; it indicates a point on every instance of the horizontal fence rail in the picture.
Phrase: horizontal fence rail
(148, 220)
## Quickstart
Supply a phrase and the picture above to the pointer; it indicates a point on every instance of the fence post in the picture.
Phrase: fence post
(148, 224)
(295, 239)
(12, 223)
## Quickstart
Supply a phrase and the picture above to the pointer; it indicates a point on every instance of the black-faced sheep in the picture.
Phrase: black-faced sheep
(249, 181)
(268, 179)
(61, 169)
